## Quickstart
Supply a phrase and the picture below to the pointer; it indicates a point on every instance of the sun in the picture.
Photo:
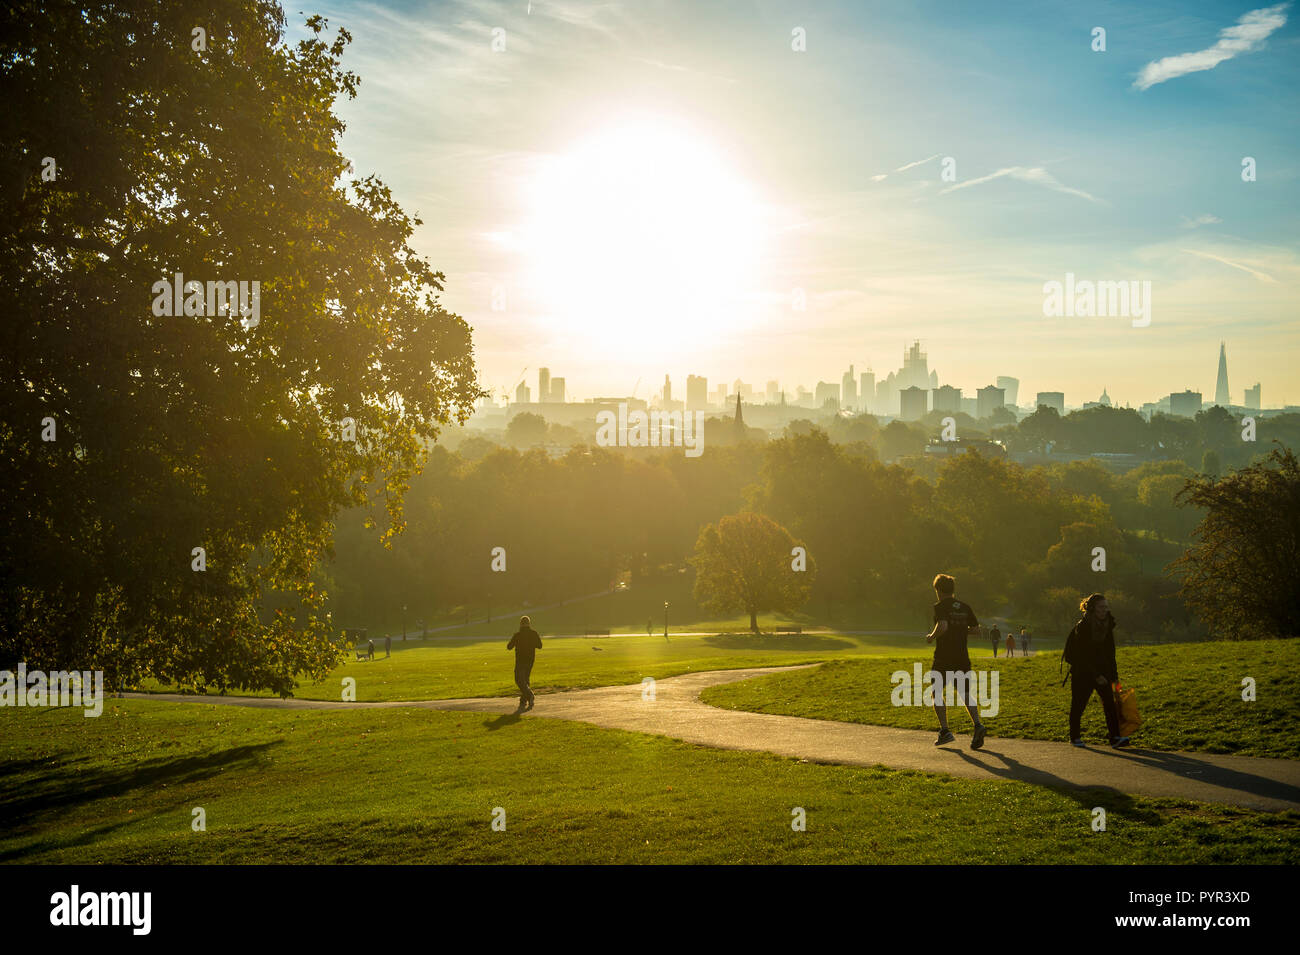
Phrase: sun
(642, 237)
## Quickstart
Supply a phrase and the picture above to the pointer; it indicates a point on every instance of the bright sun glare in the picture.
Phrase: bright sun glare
(641, 235)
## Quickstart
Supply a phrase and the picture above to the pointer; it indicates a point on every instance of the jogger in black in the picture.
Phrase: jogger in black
(1090, 651)
(953, 621)
(525, 643)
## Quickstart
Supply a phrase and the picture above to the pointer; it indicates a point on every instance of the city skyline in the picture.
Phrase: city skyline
(914, 369)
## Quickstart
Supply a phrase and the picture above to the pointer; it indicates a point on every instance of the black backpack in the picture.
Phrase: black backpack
(1072, 646)
(1067, 654)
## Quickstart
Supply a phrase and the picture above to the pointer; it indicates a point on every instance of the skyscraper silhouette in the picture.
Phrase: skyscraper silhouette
(1221, 386)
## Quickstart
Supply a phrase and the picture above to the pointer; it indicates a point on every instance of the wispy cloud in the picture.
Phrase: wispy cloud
(1035, 175)
(1201, 220)
(903, 168)
(917, 163)
(1251, 30)
(1262, 276)
(676, 68)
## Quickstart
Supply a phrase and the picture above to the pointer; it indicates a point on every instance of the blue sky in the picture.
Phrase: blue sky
(823, 168)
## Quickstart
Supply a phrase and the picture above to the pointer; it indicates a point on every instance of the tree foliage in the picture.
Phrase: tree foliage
(526, 429)
(196, 429)
(1241, 574)
(745, 562)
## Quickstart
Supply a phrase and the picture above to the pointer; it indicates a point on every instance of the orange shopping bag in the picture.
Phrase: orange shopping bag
(1126, 704)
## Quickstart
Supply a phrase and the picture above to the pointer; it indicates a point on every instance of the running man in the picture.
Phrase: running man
(953, 620)
(525, 643)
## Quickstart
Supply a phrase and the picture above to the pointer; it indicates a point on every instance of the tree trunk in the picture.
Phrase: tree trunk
(753, 620)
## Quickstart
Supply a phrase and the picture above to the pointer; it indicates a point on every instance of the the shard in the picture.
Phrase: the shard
(1221, 386)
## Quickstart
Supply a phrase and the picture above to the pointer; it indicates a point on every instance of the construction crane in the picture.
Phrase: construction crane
(509, 395)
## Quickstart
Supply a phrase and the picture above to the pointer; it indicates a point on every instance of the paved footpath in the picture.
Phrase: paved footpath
(676, 711)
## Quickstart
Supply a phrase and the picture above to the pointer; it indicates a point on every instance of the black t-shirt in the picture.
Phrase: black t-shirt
(525, 643)
(950, 652)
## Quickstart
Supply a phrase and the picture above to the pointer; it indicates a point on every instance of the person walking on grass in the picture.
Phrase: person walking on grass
(953, 622)
(1024, 642)
(1090, 652)
(1011, 644)
(525, 643)
(996, 636)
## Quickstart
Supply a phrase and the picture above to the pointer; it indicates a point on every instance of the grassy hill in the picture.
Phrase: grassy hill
(1189, 696)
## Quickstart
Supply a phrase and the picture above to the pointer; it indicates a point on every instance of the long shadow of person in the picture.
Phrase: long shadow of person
(1087, 797)
(1189, 766)
(501, 721)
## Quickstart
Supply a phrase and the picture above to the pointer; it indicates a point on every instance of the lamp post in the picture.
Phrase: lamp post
(665, 619)
(403, 623)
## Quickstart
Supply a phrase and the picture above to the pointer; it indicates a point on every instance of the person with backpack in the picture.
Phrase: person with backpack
(1090, 652)
(996, 635)
(953, 621)
(525, 643)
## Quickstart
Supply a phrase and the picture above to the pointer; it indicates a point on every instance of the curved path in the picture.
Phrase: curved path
(676, 711)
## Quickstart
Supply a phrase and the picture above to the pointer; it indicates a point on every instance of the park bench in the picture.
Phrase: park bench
(787, 629)
(597, 633)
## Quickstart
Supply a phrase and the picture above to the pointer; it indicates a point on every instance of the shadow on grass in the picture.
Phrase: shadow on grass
(501, 722)
(1113, 800)
(777, 641)
(26, 796)
(1192, 767)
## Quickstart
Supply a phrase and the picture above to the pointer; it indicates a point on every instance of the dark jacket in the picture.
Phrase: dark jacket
(525, 643)
(1091, 653)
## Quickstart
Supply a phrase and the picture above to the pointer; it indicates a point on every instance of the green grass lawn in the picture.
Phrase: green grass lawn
(447, 668)
(1188, 694)
(420, 786)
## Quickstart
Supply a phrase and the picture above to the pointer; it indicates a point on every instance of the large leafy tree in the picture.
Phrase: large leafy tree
(868, 524)
(1003, 516)
(746, 563)
(215, 157)
(1240, 575)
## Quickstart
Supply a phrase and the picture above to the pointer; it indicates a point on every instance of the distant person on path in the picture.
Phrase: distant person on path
(525, 643)
(388, 647)
(1024, 642)
(953, 622)
(996, 636)
(1090, 651)
(370, 649)
(1011, 644)
(650, 627)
